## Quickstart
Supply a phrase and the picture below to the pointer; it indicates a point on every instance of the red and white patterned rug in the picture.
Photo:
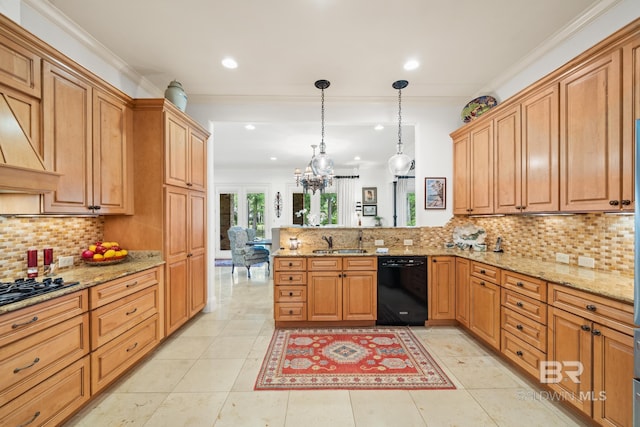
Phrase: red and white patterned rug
(349, 358)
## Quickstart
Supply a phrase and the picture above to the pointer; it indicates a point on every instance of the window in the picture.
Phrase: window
(411, 209)
(328, 208)
(255, 213)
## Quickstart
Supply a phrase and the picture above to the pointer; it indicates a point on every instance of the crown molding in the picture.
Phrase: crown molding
(62, 21)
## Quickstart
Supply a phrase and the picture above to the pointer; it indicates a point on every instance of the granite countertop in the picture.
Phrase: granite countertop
(88, 276)
(597, 282)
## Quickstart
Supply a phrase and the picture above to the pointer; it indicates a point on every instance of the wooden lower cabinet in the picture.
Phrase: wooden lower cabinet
(324, 296)
(290, 289)
(462, 290)
(359, 295)
(484, 310)
(442, 288)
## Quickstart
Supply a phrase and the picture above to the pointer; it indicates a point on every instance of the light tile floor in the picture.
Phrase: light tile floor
(204, 374)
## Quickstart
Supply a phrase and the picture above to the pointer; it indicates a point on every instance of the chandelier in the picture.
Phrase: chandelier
(319, 172)
(400, 163)
(311, 181)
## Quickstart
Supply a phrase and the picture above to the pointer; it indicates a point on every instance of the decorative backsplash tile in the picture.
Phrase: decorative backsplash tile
(66, 235)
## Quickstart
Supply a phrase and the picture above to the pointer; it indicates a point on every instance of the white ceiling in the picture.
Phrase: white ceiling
(282, 46)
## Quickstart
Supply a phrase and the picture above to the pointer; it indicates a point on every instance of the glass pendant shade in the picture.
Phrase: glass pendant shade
(399, 164)
(322, 165)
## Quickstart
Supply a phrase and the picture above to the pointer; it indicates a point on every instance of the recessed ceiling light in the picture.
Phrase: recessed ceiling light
(249, 127)
(273, 158)
(356, 158)
(379, 127)
(229, 63)
(411, 65)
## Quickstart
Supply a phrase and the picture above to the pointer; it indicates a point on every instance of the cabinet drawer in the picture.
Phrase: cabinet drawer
(290, 264)
(525, 285)
(290, 311)
(524, 328)
(325, 263)
(526, 306)
(360, 263)
(289, 278)
(116, 289)
(290, 294)
(523, 354)
(26, 321)
(486, 272)
(29, 361)
(112, 359)
(51, 401)
(615, 314)
(109, 321)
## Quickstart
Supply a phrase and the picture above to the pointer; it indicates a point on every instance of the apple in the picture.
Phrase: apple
(100, 249)
(87, 254)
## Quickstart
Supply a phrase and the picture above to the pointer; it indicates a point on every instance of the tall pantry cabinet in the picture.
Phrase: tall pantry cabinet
(170, 204)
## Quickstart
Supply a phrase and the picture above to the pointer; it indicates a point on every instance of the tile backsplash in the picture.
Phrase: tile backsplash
(66, 235)
(608, 239)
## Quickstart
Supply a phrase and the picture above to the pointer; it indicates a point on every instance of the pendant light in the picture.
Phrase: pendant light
(322, 165)
(399, 163)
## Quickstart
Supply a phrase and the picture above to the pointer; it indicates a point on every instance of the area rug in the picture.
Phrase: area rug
(349, 358)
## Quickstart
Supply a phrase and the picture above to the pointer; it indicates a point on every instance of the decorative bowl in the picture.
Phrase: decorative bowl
(107, 261)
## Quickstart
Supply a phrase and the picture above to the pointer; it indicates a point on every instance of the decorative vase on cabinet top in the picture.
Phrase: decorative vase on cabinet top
(176, 95)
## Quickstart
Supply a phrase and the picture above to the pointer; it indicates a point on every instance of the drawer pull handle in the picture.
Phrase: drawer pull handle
(36, 415)
(519, 327)
(483, 271)
(290, 264)
(132, 347)
(17, 325)
(519, 353)
(591, 307)
(132, 311)
(585, 328)
(481, 283)
(36, 360)
(519, 304)
(290, 278)
(596, 332)
(290, 311)
(290, 294)
(626, 202)
(519, 284)
(131, 285)
(614, 202)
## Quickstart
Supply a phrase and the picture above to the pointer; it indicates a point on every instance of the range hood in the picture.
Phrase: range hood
(21, 169)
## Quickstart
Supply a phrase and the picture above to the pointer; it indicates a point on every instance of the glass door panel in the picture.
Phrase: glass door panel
(255, 213)
(228, 217)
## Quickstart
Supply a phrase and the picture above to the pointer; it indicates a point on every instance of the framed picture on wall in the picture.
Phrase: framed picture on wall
(370, 210)
(435, 193)
(369, 195)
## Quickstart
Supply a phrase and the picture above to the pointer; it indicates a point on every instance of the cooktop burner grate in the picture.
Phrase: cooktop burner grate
(21, 289)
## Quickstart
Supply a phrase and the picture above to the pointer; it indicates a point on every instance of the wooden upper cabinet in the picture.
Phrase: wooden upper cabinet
(481, 179)
(461, 166)
(590, 136)
(527, 155)
(631, 113)
(186, 159)
(67, 122)
(20, 68)
(26, 110)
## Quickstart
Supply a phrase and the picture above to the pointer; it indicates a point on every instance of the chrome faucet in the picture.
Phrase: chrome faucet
(329, 241)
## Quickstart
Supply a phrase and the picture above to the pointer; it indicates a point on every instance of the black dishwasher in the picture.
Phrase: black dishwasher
(402, 290)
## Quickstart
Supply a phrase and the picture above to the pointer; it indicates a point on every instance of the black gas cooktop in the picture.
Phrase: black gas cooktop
(26, 288)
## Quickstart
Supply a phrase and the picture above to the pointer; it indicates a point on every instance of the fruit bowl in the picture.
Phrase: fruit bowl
(105, 261)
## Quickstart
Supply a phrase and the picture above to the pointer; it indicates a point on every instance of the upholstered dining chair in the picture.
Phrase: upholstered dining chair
(244, 255)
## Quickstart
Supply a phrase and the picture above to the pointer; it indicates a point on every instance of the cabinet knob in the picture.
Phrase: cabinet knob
(290, 278)
(483, 271)
(614, 202)
(626, 202)
(591, 307)
(481, 283)
(189, 184)
(519, 327)
(290, 311)
(520, 284)
(519, 304)
(290, 264)
(290, 294)
(519, 353)
(585, 328)
(596, 332)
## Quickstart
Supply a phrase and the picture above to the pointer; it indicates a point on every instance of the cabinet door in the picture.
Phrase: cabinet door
(27, 110)
(324, 295)
(197, 250)
(442, 288)
(359, 295)
(508, 164)
(176, 151)
(177, 305)
(631, 113)
(541, 151)
(111, 185)
(197, 282)
(177, 217)
(197, 162)
(461, 175)
(484, 310)
(612, 377)
(67, 104)
(590, 109)
(462, 290)
(570, 341)
(481, 183)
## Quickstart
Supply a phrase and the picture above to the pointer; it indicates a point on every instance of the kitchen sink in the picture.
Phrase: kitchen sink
(339, 251)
